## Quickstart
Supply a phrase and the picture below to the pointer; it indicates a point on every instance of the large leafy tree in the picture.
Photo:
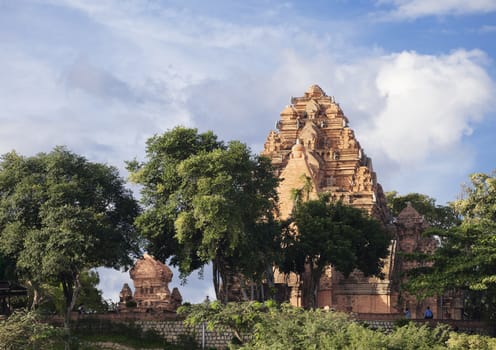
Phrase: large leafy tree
(206, 202)
(466, 258)
(61, 215)
(323, 233)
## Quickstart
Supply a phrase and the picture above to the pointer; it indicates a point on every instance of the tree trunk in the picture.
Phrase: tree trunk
(225, 284)
(244, 287)
(238, 336)
(71, 287)
(36, 294)
(269, 273)
(306, 289)
(315, 275)
(215, 277)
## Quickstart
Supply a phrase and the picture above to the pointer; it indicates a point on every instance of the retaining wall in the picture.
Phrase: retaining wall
(170, 327)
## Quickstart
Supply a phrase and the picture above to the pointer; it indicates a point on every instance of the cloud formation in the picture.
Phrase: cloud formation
(428, 106)
(442, 97)
(101, 77)
(411, 9)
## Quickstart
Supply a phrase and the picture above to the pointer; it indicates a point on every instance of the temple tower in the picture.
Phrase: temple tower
(314, 139)
(313, 143)
(151, 280)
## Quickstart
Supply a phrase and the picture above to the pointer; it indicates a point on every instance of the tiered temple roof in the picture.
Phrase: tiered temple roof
(314, 139)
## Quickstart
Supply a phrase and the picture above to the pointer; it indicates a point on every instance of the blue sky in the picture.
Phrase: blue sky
(416, 78)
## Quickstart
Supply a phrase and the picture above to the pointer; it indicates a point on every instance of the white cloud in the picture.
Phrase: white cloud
(415, 113)
(411, 9)
(438, 97)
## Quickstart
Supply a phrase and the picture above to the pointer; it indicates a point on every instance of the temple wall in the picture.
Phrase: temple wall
(377, 304)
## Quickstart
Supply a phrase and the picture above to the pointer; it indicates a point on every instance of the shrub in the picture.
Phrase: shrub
(24, 330)
(461, 341)
(413, 337)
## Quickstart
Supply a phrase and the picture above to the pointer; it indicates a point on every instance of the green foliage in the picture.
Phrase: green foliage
(61, 215)
(23, 330)
(438, 216)
(89, 295)
(7, 268)
(93, 330)
(413, 337)
(59, 212)
(240, 318)
(402, 322)
(332, 234)
(466, 260)
(460, 341)
(295, 328)
(207, 202)
(269, 326)
(184, 342)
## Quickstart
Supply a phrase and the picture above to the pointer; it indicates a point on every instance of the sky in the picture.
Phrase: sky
(416, 79)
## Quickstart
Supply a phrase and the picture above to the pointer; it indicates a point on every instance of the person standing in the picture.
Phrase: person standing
(428, 313)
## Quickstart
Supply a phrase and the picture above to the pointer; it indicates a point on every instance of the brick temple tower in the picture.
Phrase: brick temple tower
(313, 143)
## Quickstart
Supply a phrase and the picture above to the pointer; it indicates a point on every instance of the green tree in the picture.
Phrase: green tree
(324, 233)
(466, 259)
(206, 202)
(61, 215)
(239, 318)
(89, 295)
(439, 216)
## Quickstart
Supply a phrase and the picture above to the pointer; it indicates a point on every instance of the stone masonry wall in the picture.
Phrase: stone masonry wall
(170, 330)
